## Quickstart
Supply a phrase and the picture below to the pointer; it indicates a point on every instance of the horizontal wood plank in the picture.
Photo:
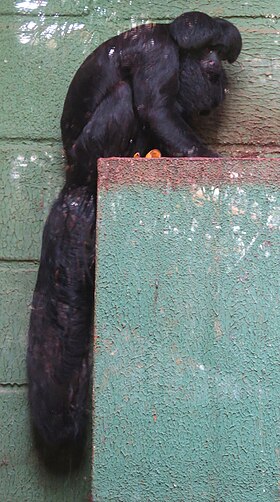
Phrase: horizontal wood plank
(24, 477)
(31, 177)
(17, 283)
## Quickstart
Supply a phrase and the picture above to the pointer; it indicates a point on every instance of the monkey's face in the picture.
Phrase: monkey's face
(202, 82)
(211, 64)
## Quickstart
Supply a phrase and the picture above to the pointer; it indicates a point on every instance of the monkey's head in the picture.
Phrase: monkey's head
(204, 42)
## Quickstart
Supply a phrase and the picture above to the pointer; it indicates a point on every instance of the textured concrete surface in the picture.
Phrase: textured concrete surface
(187, 331)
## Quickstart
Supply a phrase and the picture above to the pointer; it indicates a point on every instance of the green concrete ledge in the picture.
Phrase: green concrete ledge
(186, 353)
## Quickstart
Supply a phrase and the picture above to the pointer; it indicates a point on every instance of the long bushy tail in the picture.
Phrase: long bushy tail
(60, 324)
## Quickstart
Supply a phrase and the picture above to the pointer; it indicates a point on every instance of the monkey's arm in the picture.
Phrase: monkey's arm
(155, 87)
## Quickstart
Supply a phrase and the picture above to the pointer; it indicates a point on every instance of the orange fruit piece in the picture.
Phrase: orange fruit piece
(153, 154)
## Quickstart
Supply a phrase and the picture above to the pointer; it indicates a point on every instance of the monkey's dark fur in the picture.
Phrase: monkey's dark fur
(137, 91)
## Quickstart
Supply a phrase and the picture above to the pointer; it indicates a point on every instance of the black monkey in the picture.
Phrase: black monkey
(137, 91)
(140, 90)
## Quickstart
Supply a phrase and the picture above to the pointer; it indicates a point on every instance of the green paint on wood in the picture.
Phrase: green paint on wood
(31, 177)
(17, 284)
(23, 478)
(187, 333)
(46, 7)
(147, 9)
(156, 9)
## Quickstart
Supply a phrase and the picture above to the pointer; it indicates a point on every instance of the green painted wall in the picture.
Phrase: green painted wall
(187, 344)
(42, 43)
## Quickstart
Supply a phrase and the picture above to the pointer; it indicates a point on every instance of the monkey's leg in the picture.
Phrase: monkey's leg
(60, 322)
(112, 131)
